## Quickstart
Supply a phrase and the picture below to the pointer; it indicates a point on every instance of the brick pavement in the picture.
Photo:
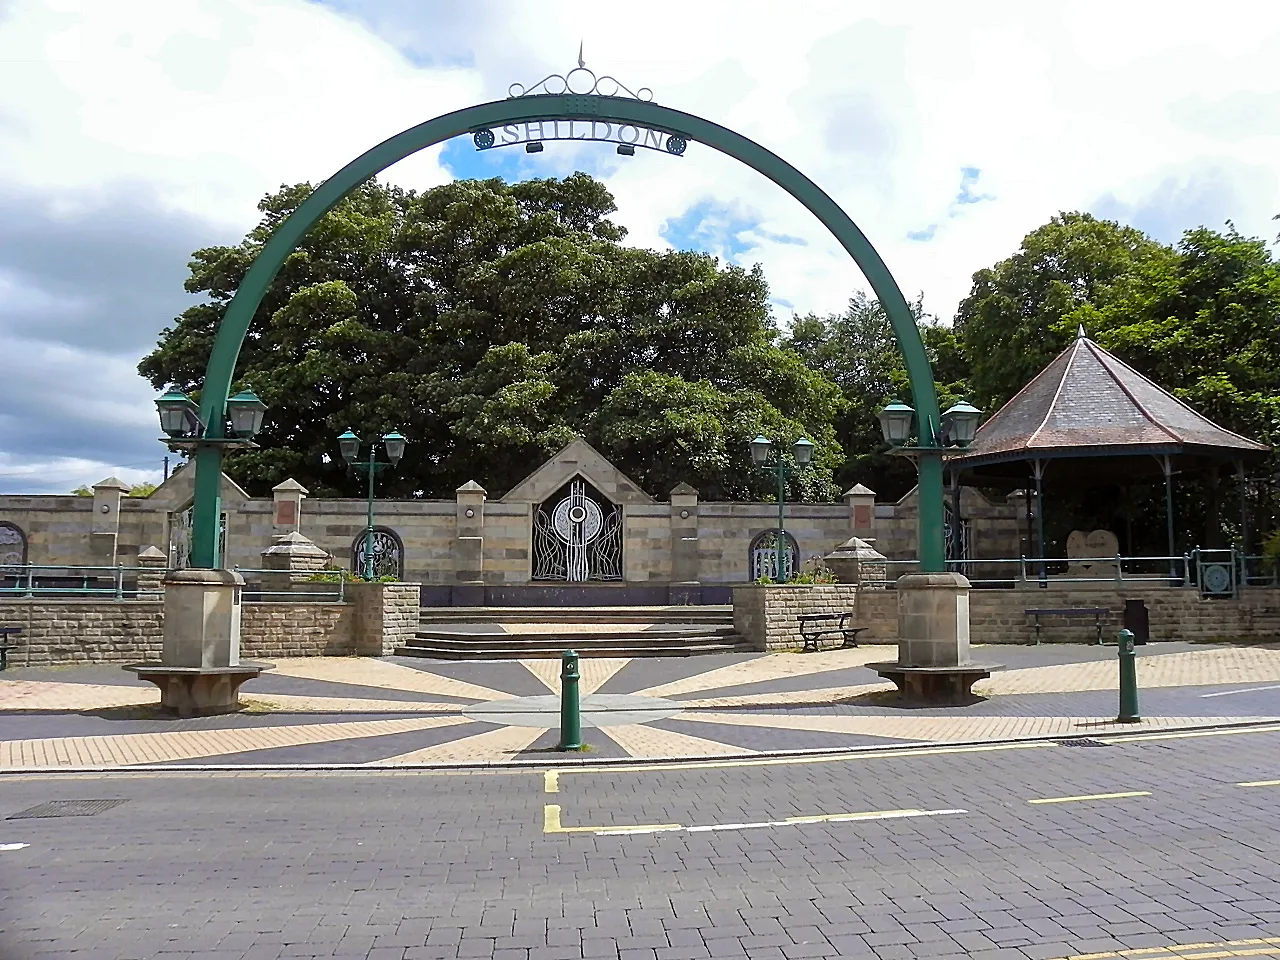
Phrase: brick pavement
(726, 704)
(420, 866)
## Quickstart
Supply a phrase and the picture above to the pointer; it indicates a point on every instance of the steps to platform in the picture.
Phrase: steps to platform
(579, 615)
(512, 633)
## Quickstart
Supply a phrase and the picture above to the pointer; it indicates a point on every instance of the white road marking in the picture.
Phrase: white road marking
(789, 822)
(12, 846)
(1227, 693)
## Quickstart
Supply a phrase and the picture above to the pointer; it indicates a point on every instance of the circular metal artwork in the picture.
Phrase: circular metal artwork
(470, 513)
(677, 145)
(106, 508)
(684, 514)
(568, 514)
(1217, 578)
(483, 139)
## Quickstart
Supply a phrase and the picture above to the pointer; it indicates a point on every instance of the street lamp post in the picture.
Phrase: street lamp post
(349, 444)
(764, 455)
(898, 423)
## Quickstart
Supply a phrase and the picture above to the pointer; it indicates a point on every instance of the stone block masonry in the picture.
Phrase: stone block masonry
(768, 616)
(377, 618)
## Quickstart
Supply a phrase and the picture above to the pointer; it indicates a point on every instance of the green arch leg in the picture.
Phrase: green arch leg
(244, 305)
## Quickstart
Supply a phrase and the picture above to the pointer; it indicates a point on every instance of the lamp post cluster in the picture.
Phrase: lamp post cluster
(393, 445)
(185, 431)
(764, 454)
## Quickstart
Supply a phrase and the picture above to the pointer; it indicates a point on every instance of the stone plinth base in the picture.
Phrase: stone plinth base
(944, 686)
(198, 691)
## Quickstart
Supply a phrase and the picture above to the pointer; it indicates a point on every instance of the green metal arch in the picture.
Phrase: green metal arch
(252, 289)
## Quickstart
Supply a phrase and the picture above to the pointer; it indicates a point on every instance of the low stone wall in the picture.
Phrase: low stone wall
(377, 618)
(82, 631)
(386, 616)
(767, 616)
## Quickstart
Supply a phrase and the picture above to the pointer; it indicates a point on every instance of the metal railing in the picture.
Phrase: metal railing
(67, 581)
(1008, 572)
(31, 580)
(303, 591)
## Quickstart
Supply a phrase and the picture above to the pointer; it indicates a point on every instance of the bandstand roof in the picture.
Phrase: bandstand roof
(1091, 407)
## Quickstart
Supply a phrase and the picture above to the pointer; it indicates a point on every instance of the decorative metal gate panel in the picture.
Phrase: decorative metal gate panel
(388, 553)
(955, 551)
(576, 538)
(764, 557)
(13, 545)
(180, 538)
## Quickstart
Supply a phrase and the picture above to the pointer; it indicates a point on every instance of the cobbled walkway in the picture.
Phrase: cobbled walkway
(398, 711)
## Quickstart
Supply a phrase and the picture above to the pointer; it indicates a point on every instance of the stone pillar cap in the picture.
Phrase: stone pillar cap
(858, 490)
(151, 553)
(683, 489)
(289, 486)
(112, 483)
(471, 487)
(858, 549)
(933, 581)
(204, 575)
(295, 544)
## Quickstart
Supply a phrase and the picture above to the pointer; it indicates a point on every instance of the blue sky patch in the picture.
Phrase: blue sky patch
(968, 181)
(923, 235)
(711, 226)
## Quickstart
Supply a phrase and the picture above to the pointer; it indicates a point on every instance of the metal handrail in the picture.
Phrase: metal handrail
(110, 582)
(337, 595)
(1034, 569)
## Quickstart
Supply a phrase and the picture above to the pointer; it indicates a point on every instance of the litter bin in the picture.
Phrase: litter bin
(1137, 619)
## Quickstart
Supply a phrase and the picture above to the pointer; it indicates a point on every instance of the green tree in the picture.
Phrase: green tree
(1011, 324)
(491, 322)
(1201, 318)
(858, 352)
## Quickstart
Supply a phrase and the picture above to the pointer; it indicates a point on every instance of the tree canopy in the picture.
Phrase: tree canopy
(491, 322)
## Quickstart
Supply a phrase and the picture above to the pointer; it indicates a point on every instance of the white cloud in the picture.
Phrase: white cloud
(193, 109)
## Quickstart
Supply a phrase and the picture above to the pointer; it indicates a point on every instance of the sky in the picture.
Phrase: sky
(133, 132)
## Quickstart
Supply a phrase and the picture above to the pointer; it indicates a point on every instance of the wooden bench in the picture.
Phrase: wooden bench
(815, 626)
(1096, 612)
(5, 634)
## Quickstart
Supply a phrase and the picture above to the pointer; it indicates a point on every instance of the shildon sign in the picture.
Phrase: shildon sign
(579, 82)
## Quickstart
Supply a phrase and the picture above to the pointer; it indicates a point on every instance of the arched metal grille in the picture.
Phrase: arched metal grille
(388, 553)
(764, 557)
(577, 537)
(13, 544)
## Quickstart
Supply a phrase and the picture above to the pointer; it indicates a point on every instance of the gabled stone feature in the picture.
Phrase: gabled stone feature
(578, 459)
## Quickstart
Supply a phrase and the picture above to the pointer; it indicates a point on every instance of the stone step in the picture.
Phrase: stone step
(708, 613)
(575, 633)
(437, 650)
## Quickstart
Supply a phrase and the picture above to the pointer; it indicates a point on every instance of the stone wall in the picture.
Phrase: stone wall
(386, 616)
(479, 542)
(377, 618)
(767, 615)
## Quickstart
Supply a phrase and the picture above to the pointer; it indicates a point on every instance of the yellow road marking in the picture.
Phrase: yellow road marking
(1180, 950)
(551, 824)
(1095, 796)
(1260, 783)
(551, 781)
(1138, 738)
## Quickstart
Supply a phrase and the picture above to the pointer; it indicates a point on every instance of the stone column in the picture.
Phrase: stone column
(151, 568)
(468, 551)
(296, 558)
(684, 543)
(862, 512)
(200, 670)
(105, 526)
(933, 620)
(286, 515)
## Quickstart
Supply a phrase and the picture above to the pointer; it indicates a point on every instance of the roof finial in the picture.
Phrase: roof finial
(581, 63)
(1080, 334)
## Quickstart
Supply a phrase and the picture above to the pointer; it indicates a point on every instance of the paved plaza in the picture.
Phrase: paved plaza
(1165, 845)
(408, 711)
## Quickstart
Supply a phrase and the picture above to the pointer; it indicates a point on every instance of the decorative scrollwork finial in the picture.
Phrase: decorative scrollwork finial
(581, 81)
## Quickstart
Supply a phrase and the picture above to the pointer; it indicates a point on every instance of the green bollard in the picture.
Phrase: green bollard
(570, 712)
(1128, 679)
